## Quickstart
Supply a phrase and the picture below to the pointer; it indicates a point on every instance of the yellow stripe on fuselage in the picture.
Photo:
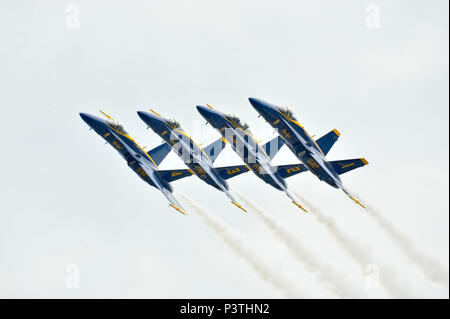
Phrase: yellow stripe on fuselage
(131, 139)
(252, 137)
(298, 124)
(190, 138)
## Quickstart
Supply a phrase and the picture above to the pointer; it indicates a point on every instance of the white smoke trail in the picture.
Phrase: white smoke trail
(326, 274)
(236, 243)
(430, 267)
(360, 254)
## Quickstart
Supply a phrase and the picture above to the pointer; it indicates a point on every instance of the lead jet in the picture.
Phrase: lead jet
(310, 152)
(144, 164)
(258, 158)
(200, 161)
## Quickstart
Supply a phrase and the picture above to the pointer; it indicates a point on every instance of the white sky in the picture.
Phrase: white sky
(69, 199)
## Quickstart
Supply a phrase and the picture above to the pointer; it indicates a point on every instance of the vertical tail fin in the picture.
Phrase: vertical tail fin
(213, 150)
(272, 147)
(159, 153)
(327, 141)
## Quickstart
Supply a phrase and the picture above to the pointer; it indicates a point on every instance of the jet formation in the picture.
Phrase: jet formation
(199, 161)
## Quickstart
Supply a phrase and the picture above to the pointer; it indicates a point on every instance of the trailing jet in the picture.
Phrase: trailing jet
(258, 158)
(144, 164)
(310, 152)
(200, 161)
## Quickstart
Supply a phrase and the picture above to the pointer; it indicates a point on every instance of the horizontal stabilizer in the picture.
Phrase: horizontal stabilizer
(213, 150)
(291, 170)
(345, 166)
(272, 147)
(173, 174)
(231, 171)
(327, 141)
(159, 153)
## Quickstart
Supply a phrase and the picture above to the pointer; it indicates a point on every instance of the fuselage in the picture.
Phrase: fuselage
(127, 147)
(245, 145)
(183, 145)
(298, 141)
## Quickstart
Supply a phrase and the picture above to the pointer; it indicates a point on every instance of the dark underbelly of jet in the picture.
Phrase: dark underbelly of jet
(268, 178)
(305, 157)
(140, 172)
(200, 172)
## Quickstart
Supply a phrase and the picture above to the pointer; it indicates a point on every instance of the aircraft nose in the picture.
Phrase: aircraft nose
(205, 111)
(148, 118)
(260, 106)
(90, 119)
(84, 116)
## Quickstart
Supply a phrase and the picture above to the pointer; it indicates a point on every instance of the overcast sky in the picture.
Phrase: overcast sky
(376, 71)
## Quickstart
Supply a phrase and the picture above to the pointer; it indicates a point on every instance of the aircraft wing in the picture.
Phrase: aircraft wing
(291, 170)
(344, 166)
(173, 174)
(232, 171)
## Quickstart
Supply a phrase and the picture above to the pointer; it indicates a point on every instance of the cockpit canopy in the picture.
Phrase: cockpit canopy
(118, 127)
(287, 111)
(173, 123)
(236, 121)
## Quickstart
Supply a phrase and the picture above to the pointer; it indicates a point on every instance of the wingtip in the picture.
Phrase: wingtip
(178, 209)
(357, 201)
(233, 202)
(337, 132)
(365, 162)
(300, 206)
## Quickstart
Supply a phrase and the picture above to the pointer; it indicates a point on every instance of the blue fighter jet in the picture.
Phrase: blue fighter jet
(258, 158)
(310, 152)
(144, 164)
(200, 161)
